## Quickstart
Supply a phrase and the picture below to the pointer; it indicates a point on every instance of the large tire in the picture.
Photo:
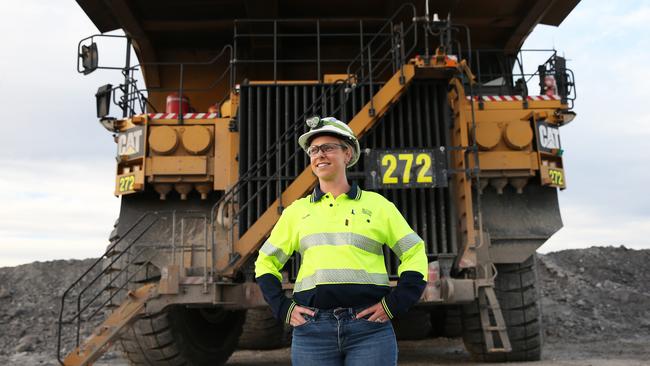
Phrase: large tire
(518, 294)
(183, 336)
(262, 331)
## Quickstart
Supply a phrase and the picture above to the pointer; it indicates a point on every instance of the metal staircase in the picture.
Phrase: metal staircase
(119, 276)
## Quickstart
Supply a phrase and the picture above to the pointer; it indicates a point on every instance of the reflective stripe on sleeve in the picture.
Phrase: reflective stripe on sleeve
(356, 240)
(406, 243)
(273, 251)
(340, 276)
(386, 309)
(287, 320)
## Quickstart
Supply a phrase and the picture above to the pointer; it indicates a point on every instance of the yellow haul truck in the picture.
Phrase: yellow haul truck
(455, 130)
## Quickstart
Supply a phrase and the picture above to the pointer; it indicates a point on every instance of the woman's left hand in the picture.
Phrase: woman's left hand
(377, 313)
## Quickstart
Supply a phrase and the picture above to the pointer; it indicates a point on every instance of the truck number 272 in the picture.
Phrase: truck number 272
(556, 176)
(126, 183)
(403, 163)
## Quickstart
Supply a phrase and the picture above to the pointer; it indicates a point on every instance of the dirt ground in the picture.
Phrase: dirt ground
(596, 311)
(439, 351)
(451, 352)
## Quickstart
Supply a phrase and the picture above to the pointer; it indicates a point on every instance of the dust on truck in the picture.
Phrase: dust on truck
(455, 129)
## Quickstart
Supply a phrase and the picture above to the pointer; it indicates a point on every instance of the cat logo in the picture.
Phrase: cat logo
(130, 144)
(548, 137)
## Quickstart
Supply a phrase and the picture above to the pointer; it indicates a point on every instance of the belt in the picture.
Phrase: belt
(337, 313)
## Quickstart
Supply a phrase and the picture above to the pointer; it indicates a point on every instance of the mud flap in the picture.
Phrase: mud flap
(518, 224)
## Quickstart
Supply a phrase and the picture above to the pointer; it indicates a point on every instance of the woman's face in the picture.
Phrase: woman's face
(330, 166)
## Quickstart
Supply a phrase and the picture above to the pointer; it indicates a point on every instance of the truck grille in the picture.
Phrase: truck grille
(420, 119)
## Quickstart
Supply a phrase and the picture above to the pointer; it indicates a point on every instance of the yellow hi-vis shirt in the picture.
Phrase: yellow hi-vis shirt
(341, 242)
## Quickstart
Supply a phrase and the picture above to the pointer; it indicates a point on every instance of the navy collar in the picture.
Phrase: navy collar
(354, 193)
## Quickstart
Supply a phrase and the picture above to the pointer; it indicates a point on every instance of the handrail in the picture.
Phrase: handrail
(131, 92)
(292, 129)
(182, 66)
(300, 120)
(515, 70)
(97, 262)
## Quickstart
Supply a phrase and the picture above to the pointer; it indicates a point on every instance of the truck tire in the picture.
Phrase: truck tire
(183, 336)
(517, 290)
(262, 331)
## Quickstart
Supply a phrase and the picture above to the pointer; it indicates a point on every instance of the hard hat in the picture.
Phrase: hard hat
(331, 125)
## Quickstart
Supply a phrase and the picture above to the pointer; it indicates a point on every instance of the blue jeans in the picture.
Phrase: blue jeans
(336, 338)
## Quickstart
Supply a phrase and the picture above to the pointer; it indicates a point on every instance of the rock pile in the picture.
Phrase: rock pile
(596, 293)
(30, 298)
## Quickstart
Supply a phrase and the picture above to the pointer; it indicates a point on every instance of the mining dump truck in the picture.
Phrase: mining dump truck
(458, 126)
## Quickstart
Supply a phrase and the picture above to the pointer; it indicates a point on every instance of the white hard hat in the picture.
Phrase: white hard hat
(331, 125)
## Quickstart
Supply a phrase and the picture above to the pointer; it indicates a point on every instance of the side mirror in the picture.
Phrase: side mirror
(89, 58)
(103, 96)
(561, 77)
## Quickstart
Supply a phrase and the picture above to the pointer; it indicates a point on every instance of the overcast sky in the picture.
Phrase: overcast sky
(57, 165)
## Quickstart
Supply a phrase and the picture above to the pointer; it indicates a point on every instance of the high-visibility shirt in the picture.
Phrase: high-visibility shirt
(341, 242)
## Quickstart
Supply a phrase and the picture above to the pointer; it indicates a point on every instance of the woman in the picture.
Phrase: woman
(342, 301)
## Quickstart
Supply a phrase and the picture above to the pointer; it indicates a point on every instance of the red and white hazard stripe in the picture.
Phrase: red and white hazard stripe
(544, 97)
(185, 116)
(512, 98)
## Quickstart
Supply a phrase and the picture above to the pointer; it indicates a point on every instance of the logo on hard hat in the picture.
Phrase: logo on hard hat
(314, 122)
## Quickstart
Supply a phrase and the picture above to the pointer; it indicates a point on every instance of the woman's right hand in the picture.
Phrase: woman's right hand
(297, 317)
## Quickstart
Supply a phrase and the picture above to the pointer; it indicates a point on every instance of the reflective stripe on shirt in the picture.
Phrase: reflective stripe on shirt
(334, 276)
(273, 251)
(357, 240)
(406, 243)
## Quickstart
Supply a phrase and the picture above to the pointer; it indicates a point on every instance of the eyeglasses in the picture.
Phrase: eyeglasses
(325, 148)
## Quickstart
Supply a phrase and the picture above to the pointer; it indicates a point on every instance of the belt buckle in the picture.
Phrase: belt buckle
(338, 312)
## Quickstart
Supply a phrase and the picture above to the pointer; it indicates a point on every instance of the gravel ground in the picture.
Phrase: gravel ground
(596, 311)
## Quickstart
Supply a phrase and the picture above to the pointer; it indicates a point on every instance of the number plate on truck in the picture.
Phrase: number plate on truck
(125, 183)
(552, 176)
(129, 182)
(406, 168)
